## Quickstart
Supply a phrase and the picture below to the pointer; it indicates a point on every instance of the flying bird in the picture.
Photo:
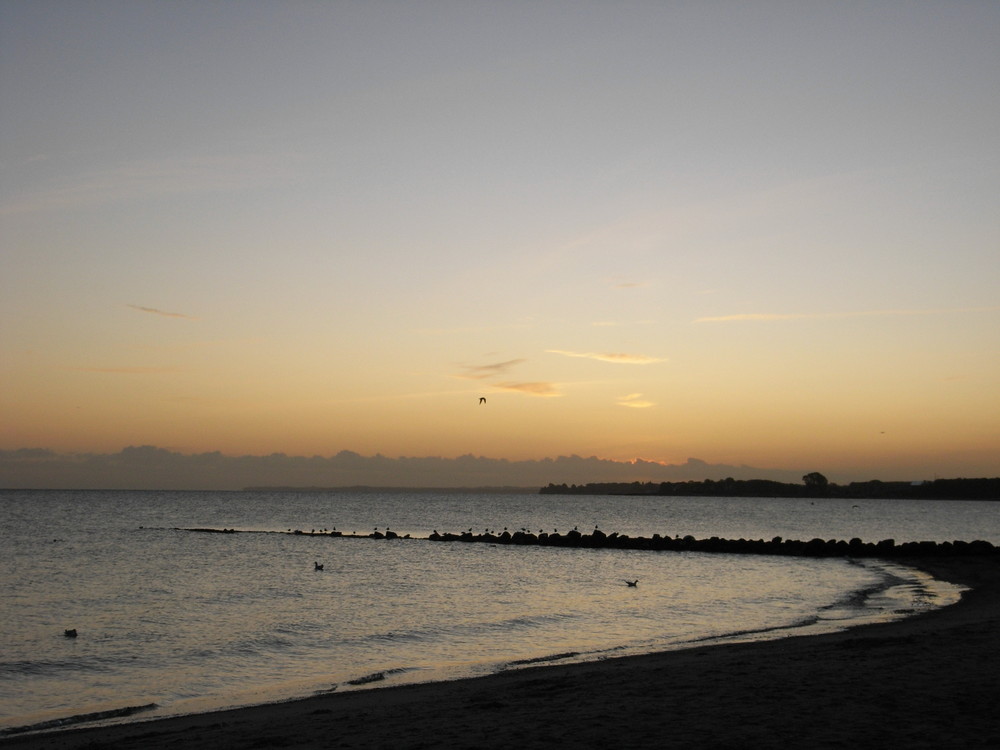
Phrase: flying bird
(482, 399)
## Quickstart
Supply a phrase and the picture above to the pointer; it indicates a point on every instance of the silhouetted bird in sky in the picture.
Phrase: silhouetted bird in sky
(482, 399)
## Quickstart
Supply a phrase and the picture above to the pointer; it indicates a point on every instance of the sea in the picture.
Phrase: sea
(170, 620)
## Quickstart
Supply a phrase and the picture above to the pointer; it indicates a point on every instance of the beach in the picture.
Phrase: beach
(927, 681)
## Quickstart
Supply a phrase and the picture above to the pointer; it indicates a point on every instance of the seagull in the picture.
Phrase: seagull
(482, 399)
(633, 584)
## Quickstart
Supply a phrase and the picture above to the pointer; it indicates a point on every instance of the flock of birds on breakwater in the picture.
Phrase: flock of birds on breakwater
(887, 548)
(775, 546)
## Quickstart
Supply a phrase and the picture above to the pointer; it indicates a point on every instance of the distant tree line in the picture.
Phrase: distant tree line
(813, 484)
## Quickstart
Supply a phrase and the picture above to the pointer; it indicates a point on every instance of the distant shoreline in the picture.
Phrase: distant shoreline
(816, 486)
(361, 488)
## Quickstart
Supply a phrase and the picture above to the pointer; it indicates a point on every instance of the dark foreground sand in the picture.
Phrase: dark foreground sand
(931, 681)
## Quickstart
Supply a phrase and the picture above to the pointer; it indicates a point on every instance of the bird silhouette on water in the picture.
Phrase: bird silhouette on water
(633, 584)
(317, 566)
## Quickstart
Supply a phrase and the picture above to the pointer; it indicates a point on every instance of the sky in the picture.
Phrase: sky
(760, 234)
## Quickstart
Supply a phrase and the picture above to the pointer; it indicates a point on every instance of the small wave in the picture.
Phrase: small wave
(113, 713)
(451, 630)
(536, 621)
(897, 590)
(415, 635)
(379, 676)
(373, 677)
(803, 623)
(543, 659)
(244, 648)
(51, 668)
(253, 646)
(858, 598)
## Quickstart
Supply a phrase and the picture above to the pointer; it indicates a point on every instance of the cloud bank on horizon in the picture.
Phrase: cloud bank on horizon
(149, 467)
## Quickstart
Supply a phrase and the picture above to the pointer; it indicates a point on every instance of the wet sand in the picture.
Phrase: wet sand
(929, 681)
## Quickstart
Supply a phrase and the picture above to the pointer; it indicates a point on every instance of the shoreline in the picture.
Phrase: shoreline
(929, 680)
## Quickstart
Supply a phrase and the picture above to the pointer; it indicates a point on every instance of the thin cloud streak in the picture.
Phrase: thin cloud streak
(617, 324)
(616, 357)
(629, 285)
(145, 178)
(542, 389)
(635, 401)
(471, 329)
(165, 314)
(127, 370)
(482, 372)
(386, 398)
(833, 316)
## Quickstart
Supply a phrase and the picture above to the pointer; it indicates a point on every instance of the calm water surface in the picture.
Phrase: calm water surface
(191, 621)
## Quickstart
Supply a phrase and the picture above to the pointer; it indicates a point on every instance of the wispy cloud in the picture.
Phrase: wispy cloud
(152, 177)
(482, 372)
(165, 314)
(761, 316)
(635, 401)
(628, 284)
(741, 317)
(127, 370)
(472, 329)
(616, 357)
(616, 324)
(541, 388)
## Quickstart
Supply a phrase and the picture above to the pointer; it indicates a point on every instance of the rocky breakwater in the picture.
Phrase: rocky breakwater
(597, 539)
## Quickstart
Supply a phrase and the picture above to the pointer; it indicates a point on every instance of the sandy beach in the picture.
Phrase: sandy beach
(929, 681)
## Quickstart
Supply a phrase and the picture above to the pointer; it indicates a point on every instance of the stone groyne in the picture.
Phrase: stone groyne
(597, 539)
(887, 548)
